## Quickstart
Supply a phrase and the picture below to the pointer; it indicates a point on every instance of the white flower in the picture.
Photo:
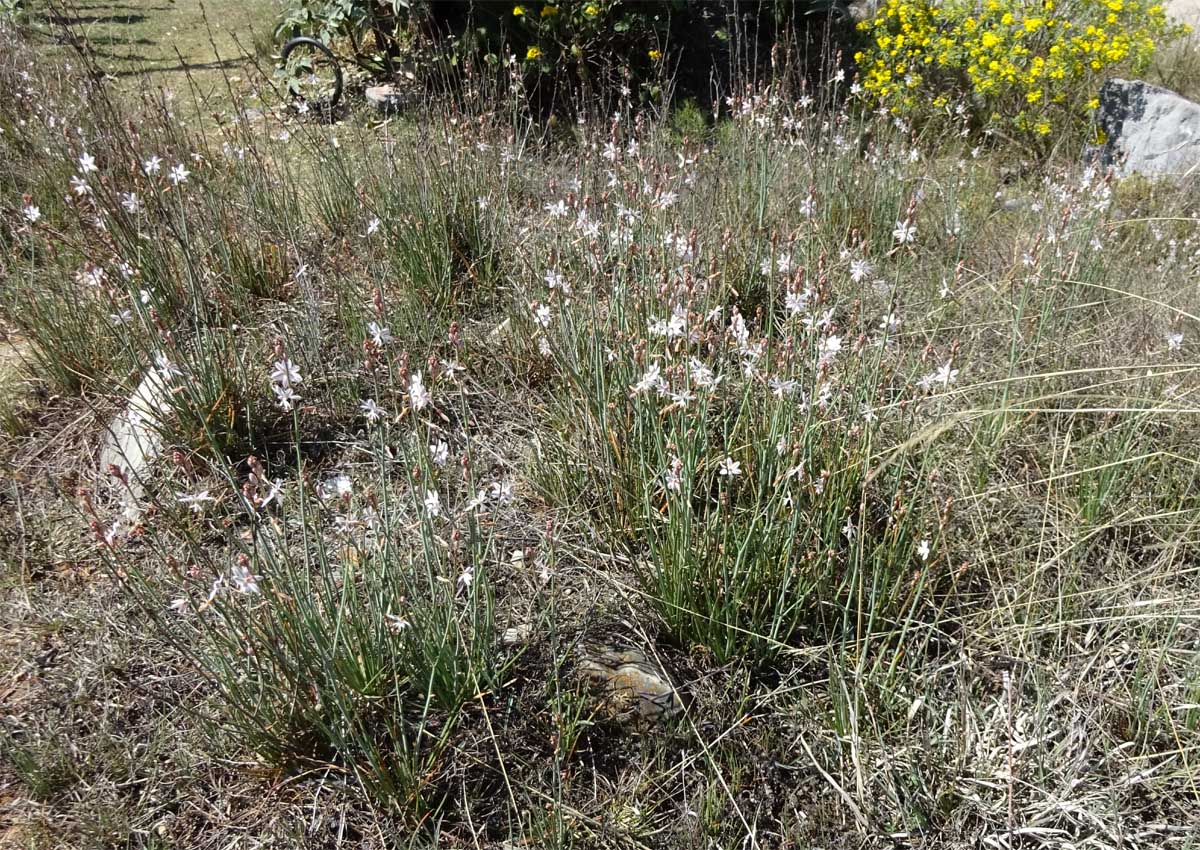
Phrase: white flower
(79, 186)
(418, 396)
(439, 453)
(1174, 341)
(700, 373)
(179, 605)
(541, 315)
(466, 579)
(90, 275)
(433, 503)
(153, 165)
(380, 335)
(868, 414)
(683, 398)
(131, 202)
(666, 199)
(729, 468)
(166, 369)
(651, 380)
(285, 397)
(285, 373)
(672, 328)
(179, 174)
(782, 265)
(848, 529)
(501, 492)
(373, 226)
(87, 163)
(196, 502)
(397, 623)
(274, 492)
(943, 375)
(829, 348)
(781, 387)
(905, 232)
(244, 580)
(737, 327)
(796, 302)
(889, 323)
(31, 213)
(370, 409)
(860, 270)
(122, 317)
(923, 550)
(556, 209)
(672, 478)
(555, 280)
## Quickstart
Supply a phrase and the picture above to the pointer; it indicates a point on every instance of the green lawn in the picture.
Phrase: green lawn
(169, 42)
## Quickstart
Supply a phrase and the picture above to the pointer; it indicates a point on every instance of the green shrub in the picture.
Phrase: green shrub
(587, 45)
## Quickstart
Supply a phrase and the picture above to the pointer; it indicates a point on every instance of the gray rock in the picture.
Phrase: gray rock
(1148, 130)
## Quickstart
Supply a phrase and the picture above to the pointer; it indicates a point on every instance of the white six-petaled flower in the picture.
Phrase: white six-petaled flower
(905, 232)
(371, 410)
(380, 334)
(418, 396)
(285, 373)
(244, 580)
(432, 503)
(729, 468)
(195, 502)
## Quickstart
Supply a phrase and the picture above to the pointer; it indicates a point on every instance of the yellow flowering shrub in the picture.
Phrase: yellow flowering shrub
(1033, 66)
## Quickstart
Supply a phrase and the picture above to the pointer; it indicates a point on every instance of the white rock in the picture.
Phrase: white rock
(1149, 130)
(133, 439)
(517, 635)
(1184, 11)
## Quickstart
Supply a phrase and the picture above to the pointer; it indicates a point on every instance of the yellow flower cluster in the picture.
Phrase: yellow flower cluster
(1030, 64)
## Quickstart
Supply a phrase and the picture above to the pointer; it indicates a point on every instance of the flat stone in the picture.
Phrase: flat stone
(517, 635)
(388, 98)
(1148, 130)
(632, 684)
